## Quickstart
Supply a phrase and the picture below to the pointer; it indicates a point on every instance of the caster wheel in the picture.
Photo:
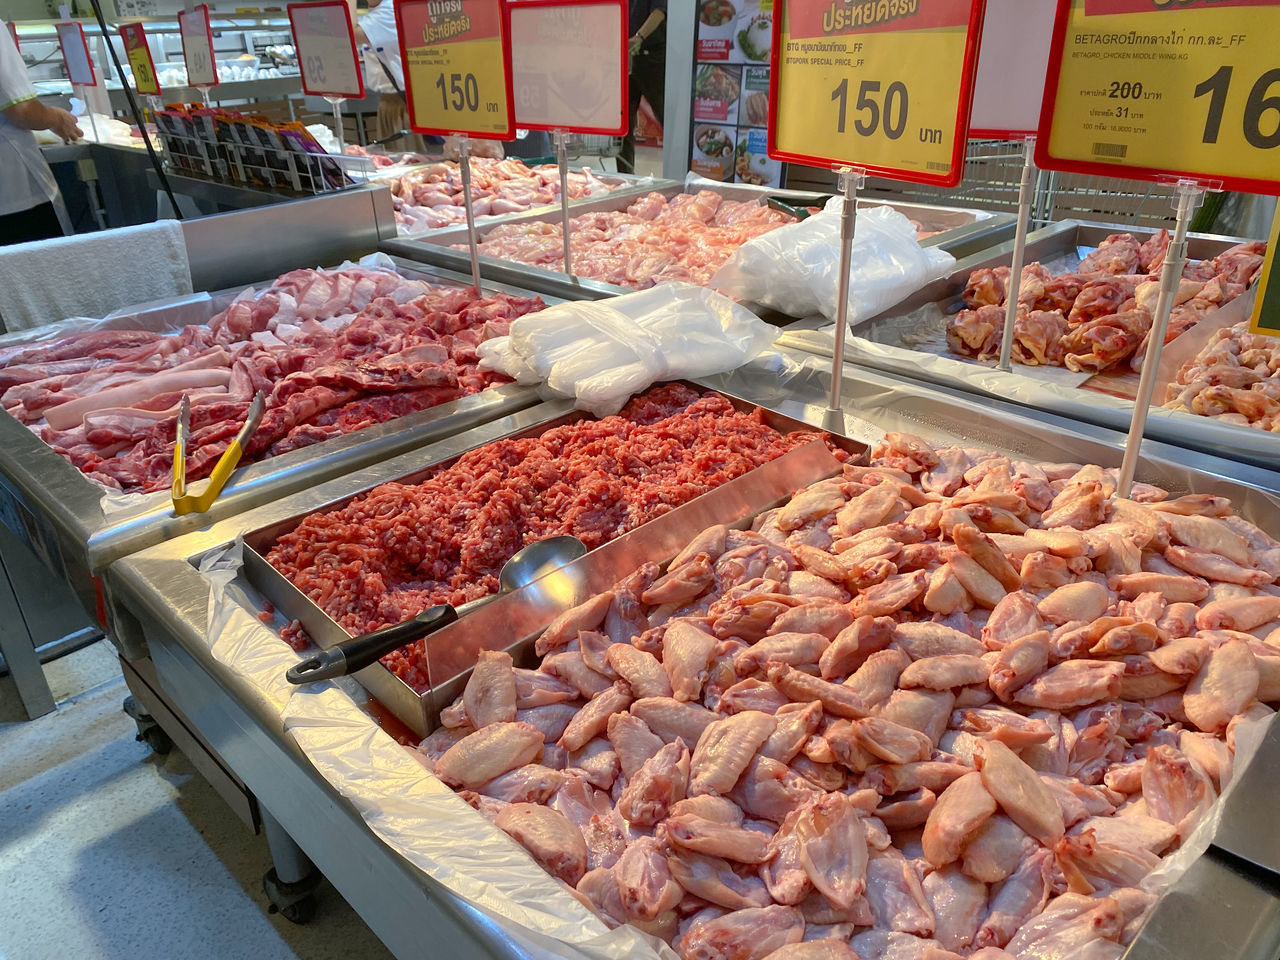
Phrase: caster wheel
(157, 740)
(296, 902)
(303, 911)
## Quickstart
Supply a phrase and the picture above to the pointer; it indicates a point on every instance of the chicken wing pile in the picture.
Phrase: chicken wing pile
(1100, 316)
(1234, 379)
(948, 704)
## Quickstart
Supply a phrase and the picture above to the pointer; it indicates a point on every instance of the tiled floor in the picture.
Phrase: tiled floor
(109, 852)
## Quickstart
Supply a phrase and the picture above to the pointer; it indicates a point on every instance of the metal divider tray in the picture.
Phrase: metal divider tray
(961, 232)
(452, 651)
(59, 512)
(877, 342)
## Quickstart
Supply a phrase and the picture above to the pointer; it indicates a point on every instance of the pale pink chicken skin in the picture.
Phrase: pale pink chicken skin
(874, 768)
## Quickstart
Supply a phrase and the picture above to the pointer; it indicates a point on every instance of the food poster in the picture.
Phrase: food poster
(751, 161)
(713, 150)
(734, 31)
(753, 101)
(716, 90)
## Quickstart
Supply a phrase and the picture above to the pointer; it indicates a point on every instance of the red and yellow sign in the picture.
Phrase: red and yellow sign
(457, 67)
(1150, 88)
(138, 54)
(880, 84)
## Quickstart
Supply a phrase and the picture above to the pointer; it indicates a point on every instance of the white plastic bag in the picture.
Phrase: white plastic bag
(602, 352)
(795, 268)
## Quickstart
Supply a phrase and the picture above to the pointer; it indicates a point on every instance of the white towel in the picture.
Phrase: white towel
(91, 274)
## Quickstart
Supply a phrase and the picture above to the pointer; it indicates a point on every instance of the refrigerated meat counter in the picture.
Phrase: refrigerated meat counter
(961, 232)
(908, 340)
(258, 727)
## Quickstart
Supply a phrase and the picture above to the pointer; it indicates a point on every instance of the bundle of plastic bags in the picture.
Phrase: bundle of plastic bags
(603, 352)
(795, 269)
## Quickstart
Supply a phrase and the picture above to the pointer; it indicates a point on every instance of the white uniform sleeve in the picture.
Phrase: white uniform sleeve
(15, 85)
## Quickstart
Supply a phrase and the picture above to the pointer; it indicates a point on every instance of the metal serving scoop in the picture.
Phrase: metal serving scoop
(527, 565)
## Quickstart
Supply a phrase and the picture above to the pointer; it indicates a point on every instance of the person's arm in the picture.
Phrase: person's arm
(34, 115)
(651, 23)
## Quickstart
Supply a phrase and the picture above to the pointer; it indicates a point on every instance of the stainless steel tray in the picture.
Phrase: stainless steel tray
(963, 232)
(59, 512)
(872, 344)
(1220, 908)
(452, 650)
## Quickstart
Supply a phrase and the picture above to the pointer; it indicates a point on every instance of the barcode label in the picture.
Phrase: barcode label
(937, 165)
(1115, 151)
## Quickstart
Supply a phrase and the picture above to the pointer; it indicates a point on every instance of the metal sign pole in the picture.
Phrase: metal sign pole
(1190, 194)
(464, 164)
(336, 103)
(851, 179)
(562, 159)
(1014, 286)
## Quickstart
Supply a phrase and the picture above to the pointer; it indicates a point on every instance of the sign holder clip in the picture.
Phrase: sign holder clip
(851, 180)
(1190, 194)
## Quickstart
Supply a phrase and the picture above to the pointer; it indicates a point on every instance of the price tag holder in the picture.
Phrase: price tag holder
(1012, 61)
(326, 45)
(1266, 308)
(197, 46)
(569, 65)
(883, 84)
(75, 53)
(457, 64)
(1149, 88)
(138, 53)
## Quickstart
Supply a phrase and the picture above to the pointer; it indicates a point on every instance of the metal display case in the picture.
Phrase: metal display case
(878, 342)
(1222, 907)
(960, 232)
(61, 514)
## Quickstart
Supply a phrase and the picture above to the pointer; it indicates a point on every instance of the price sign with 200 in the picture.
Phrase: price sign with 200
(1188, 90)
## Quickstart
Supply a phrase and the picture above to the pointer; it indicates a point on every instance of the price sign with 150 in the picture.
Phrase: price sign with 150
(880, 84)
(457, 63)
(1188, 89)
(138, 53)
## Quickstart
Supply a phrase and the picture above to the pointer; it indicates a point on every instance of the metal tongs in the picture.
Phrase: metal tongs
(183, 502)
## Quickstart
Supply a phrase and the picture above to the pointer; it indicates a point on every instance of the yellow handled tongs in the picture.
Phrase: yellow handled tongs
(183, 502)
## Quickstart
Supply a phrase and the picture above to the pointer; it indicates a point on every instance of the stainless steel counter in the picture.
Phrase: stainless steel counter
(1217, 909)
(61, 515)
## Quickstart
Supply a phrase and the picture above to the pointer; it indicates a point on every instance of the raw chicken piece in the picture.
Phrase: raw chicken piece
(1070, 922)
(960, 811)
(661, 782)
(996, 849)
(564, 628)
(714, 880)
(1120, 253)
(854, 644)
(1090, 865)
(945, 672)
(1018, 664)
(744, 934)
(1174, 790)
(1019, 792)
(1132, 832)
(593, 719)
(924, 639)
(642, 671)
(771, 790)
(686, 655)
(691, 832)
(490, 694)
(1224, 686)
(833, 848)
(645, 885)
(725, 749)
(670, 718)
(959, 904)
(532, 783)
(796, 649)
(1036, 336)
(489, 753)
(896, 895)
(976, 333)
(1076, 683)
(551, 839)
(1017, 900)
(816, 950)
(1083, 600)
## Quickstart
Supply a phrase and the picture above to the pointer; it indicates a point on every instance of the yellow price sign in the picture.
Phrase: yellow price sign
(1266, 305)
(881, 84)
(457, 67)
(138, 53)
(1147, 88)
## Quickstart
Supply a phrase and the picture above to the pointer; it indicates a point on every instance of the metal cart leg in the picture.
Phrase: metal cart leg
(19, 649)
(289, 885)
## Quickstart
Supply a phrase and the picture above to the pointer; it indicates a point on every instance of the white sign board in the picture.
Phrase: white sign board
(326, 46)
(569, 65)
(75, 52)
(1012, 64)
(197, 46)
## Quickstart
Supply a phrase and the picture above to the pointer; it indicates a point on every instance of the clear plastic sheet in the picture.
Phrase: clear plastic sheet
(402, 802)
(794, 269)
(603, 352)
